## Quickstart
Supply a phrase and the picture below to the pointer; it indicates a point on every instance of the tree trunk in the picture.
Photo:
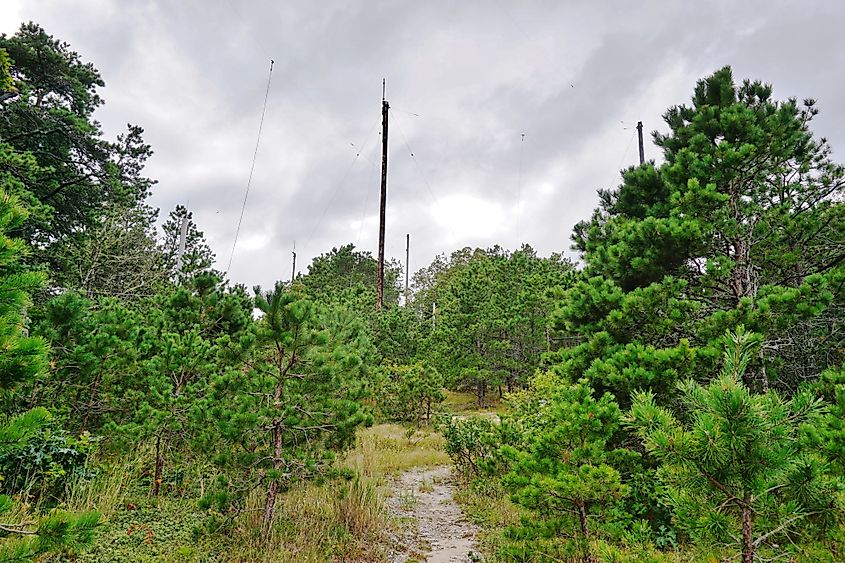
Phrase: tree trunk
(95, 389)
(157, 476)
(585, 531)
(747, 542)
(480, 392)
(273, 489)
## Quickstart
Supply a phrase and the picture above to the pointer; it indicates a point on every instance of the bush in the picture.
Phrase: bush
(410, 392)
(38, 458)
(473, 445)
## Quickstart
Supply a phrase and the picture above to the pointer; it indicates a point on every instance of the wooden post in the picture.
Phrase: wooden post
(640, 134)
(385, 107)
(183, 236)
(407, 264)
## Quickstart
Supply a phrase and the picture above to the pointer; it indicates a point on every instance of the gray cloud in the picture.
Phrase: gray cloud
(465, 81)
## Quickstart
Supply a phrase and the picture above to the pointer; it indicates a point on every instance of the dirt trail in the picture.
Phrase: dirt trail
(433, 527)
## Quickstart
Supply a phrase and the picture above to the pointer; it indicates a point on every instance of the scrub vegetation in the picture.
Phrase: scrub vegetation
(676, 395)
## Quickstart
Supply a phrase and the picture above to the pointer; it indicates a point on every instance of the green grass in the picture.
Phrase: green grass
(462, 403)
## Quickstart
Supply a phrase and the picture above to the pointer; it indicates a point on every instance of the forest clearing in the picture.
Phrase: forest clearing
(669, 389)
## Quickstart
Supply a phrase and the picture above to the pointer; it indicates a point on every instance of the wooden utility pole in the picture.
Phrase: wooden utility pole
(293, 267)
(640, 134)
(407, 262)
(183, 237)
(383, 200)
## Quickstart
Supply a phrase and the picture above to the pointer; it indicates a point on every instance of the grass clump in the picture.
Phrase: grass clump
(384, 450)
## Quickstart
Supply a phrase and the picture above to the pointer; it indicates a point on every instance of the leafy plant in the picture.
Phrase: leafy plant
(472, 444)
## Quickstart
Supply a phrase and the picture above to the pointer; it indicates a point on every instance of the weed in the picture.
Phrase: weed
(407, 500)
(105, 492)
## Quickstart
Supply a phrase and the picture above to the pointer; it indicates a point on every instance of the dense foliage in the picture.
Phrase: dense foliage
(679, 394)
(649, 420)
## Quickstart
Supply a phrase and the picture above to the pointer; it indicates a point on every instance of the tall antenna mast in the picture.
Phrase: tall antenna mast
(407, 264)
(385, 107)
(293, 268)
(640, 134)
(183, 236)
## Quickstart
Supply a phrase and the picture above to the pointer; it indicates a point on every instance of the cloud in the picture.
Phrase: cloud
(465, 81)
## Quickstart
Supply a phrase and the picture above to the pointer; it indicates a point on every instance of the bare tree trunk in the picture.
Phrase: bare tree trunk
(480, 392)
(95, 390)
(585, 531)
(747, 542)
(273, 489)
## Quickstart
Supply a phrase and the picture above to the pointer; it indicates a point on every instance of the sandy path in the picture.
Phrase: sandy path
(433, 528)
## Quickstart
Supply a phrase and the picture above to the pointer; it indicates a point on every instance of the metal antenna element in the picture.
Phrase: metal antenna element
(252, 167)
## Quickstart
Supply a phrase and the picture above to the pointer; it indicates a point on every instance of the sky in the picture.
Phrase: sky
(506, 115)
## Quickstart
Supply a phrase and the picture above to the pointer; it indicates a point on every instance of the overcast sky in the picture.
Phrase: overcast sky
(465, 80)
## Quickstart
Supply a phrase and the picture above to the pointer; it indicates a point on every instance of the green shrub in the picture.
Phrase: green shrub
(37, 457)
(473, 444)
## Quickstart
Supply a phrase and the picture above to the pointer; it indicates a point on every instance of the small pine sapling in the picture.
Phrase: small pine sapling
(733, 467)
(566, 473)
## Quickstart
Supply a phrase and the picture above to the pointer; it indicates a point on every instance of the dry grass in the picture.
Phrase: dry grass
(385, 450)
(340, 520)
(426, 486)
(462, 403)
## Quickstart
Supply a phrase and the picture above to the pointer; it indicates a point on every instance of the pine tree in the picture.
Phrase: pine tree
(333, 273)
(24, 358)
(566, 470)
(116, 257)
(59, 531)
(411, 392)
(298, 399)
(727, 231)
(734, 471)
(48, 119)
(492, 321)
(197, 257)
(95, 347)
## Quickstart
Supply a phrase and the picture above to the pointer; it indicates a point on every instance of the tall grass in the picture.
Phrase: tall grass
(105, 492)
(386, 450)
(341, 520)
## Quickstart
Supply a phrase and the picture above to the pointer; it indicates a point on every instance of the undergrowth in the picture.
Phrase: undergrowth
(342, 518)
